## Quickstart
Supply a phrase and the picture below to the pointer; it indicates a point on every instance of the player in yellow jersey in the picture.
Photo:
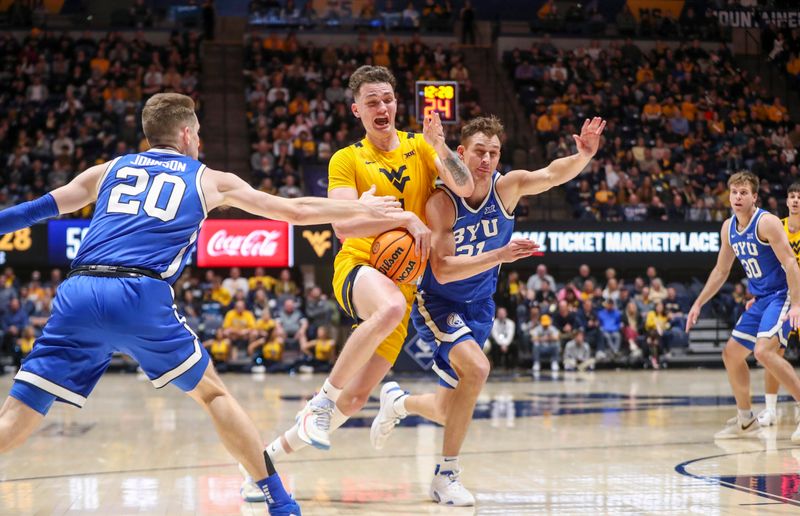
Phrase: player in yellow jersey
(791, 224)
(397, 163)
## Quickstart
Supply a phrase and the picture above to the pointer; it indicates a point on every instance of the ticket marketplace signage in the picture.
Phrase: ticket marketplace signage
(641, 244)
(245, 243)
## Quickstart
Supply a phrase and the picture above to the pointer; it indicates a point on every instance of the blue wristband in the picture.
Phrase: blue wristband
(27, 214)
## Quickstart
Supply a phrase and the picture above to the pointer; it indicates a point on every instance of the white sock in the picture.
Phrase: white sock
(329, 391)
(771, 401)
(448, 464)
(745, 415)
(400, 405)
(295, 443)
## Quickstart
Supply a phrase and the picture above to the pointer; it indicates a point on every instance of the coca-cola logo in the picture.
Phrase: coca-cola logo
(245, 243)
(256, 243)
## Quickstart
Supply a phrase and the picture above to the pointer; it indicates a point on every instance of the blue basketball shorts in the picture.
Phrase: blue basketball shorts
(92, 317)
(444, 324)
(763, 320)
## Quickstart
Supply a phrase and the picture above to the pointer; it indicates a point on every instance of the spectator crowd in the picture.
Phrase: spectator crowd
(680, 120)
(68, 103)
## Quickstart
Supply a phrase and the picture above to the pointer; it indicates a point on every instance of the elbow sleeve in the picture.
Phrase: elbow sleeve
(28, 213)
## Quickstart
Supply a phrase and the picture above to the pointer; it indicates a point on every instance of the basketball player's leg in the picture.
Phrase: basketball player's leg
(168, 351)
(769, 416)
(235, 428)
(381, 305)
(744, 424)
(472, 368)
(384, 308)
(17, 422)
(734, 356)
(352, 398)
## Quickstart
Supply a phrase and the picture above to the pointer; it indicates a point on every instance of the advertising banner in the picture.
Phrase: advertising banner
(315, 245)
(245, 243)
(567, 244)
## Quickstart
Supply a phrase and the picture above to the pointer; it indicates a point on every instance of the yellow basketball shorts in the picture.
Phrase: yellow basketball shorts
(345, 269)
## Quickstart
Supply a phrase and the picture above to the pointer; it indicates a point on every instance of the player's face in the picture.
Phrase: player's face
(742, 198)
(481, 154)
(793, 203)
(376, 106)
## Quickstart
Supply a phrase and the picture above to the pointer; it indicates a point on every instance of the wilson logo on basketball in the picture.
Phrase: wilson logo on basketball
(393, 255)
(388, 263)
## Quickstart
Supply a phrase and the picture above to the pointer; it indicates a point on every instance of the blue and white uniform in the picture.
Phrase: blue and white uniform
(463, 310)
(766, 280)
(148, 214)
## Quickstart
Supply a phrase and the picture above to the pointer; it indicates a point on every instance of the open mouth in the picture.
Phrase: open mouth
(382, 122)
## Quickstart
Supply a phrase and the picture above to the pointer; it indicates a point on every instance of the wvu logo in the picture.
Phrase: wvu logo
(320, 241)
(397, 178)
(795, 247)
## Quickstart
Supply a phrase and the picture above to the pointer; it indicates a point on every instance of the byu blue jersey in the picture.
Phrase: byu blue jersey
(476, 231)
(149, 210)
(765, 274)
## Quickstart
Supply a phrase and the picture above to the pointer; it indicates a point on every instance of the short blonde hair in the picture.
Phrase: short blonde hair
(488, 125)
(744, 177)
(165, 114)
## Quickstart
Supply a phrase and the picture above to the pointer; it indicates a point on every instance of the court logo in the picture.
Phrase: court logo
(320, 241)
(420, 351)
(454, 321)
(396, 177)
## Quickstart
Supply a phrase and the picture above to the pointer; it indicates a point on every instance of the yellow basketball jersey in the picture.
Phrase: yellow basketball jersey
(794, 238)
(407, 173)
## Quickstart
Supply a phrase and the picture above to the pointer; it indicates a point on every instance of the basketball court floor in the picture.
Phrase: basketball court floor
(601, 443)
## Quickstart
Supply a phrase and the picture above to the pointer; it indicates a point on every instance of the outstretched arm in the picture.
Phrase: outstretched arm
(718, 275)
(452, 170)
(519, 183)
(225, 189)
(73, 196)
(446, 266)
(770, 227)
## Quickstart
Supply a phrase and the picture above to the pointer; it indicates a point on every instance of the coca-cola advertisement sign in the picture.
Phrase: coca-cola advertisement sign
(245, 243)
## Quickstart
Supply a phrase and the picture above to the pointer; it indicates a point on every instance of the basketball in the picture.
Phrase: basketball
(393, 255)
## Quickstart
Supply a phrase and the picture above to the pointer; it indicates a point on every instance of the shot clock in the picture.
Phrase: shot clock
(439, 96)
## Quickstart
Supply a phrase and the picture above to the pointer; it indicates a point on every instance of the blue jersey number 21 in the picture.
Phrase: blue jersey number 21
(131, 206)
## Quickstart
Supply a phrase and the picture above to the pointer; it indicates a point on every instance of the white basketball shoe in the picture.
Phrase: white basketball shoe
(447, 489)
(249, 491)
(314, 422)
(735, 430)
(388, 417)
(767, 417)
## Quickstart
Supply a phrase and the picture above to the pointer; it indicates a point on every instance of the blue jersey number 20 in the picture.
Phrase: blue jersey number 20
(131, 206)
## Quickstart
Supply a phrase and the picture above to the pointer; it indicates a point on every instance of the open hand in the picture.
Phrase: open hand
(691, 318)
(518, 249)
(432, 130)
(589, 139)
